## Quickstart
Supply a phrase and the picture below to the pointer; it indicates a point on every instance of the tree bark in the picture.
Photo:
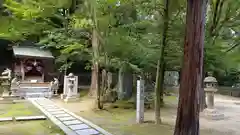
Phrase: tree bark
(202, 93)
(160, 67)
(157, 96)
(187, 122)
(93, 87)
(95, 82)
(162, 71)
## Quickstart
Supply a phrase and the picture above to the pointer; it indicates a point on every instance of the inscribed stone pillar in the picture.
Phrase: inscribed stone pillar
(140, 101)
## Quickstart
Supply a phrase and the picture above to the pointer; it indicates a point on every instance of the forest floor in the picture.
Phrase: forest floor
(120, 121)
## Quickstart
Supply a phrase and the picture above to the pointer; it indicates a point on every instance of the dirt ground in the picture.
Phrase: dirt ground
(122, 121)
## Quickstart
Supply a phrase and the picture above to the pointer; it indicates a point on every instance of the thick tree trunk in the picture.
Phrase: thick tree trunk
(187, 122)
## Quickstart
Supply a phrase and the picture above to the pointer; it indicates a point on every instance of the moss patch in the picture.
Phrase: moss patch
(30, 128)
(83, 92)
(18, 109)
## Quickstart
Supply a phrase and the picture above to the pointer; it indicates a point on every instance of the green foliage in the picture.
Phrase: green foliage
(129, 31)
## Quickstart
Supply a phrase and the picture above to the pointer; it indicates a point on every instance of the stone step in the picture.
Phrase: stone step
(33, 94)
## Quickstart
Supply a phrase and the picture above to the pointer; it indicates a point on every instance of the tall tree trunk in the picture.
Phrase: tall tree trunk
(202, 93)
(160, 68)
(187, 122)
(162, 71)
(95, 71)
(95, 82)
(157, 96)
(203, 104)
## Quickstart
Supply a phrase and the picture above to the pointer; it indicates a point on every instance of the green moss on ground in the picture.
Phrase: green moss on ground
(122, 121)
(30, 128)
(18, 109)
(83, 92)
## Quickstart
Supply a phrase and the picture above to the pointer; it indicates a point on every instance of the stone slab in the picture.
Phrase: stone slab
(58, 112)
(79, 126)
(62, 115)
(26, 118)
(6, 119)
(72, 122)
(67, 118)
(51, 107)
(87, 132)
(54, 110)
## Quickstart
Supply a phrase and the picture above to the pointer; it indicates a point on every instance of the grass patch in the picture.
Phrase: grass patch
(83, 92)
(30, 128)
(120, 121)
(148, 128)
(18, 109)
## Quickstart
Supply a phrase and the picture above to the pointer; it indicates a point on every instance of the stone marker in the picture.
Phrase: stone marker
(79, 126)
(210, 88)
(140, 101)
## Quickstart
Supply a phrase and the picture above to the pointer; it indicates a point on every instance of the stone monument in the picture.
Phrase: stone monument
(210, 88)
(140, 101)
(70, 92)
(55, 86)
(6, 81)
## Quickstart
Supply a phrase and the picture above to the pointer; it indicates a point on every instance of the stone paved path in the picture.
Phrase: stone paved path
(70, 123)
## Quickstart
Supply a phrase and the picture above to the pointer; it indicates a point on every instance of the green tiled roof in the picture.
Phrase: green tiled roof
(31, 52)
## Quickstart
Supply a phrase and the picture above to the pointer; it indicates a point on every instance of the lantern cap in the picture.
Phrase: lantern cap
(210, 79)
(71, 75)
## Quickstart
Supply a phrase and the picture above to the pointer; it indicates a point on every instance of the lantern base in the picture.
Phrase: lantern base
(213, 114)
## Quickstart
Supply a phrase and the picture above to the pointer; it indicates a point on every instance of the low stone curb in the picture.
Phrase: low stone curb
(6, 119)
(27, 118)
(23, 118)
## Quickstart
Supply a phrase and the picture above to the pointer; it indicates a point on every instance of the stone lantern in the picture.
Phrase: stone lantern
(71, 90)
(210, 88)
(210, 112)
